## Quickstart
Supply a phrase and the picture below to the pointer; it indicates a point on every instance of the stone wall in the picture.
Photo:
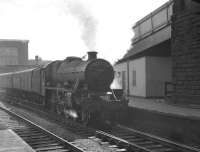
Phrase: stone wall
(186, 51)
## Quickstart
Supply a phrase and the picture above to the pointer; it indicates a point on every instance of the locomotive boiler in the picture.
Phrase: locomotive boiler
(94, 74)
(73, 88)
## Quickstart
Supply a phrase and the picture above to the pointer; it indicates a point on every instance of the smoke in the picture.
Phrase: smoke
(86, 20)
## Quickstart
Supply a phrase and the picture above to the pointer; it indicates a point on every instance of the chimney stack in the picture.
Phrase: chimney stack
(92, 55)
(36, 59)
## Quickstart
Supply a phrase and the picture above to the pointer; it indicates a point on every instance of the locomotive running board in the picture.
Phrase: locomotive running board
(58, 89)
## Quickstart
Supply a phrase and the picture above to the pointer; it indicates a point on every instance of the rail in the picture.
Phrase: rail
(45, 133)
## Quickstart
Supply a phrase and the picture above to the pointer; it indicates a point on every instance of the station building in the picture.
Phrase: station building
(147, 66)
(13, 52)
(165, 54)
(13, 55)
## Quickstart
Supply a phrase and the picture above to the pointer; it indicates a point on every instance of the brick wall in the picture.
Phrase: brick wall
(186, 51)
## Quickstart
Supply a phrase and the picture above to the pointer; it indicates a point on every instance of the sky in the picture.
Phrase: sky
(60, 28)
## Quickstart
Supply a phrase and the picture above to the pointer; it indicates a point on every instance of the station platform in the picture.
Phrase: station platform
(11, 142)
(161, 106)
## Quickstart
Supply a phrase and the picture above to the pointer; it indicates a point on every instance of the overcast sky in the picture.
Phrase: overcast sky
(60, 28)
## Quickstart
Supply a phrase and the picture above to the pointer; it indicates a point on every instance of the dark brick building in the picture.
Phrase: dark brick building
(186, 51)
(13, 52)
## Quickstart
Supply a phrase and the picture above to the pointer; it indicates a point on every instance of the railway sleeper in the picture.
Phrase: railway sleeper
(36, 141)
(29, 134)
(43, 143)
(46, 148)
(46, 145)
(27, 129)
(34, 137)
(57, 150)
(153, 146)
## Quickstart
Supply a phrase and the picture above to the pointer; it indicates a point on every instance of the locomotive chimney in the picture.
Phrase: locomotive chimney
(92, 55)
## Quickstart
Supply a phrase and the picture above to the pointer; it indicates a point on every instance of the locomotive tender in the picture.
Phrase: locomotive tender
(72, 87)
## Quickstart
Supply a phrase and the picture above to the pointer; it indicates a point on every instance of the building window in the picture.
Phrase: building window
(124, 80)
(134, 78)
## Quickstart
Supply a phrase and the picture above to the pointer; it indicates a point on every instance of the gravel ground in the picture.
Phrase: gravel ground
(44, 122)
(93, 146)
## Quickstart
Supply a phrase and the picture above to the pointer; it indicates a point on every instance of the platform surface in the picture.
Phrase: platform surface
(159, 105)
(11, 142)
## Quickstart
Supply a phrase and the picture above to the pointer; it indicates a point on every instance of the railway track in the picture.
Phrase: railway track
(38, 138)
(129, 140)
(125, 139)
(139, 141)
(72, 126)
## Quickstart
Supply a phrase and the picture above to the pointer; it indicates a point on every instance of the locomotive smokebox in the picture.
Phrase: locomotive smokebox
(92, 55)
(96, 73)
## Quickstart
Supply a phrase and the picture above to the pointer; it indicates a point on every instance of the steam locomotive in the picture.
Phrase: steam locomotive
(73, 88)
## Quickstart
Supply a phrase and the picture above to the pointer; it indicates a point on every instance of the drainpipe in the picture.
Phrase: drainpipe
(128, 91)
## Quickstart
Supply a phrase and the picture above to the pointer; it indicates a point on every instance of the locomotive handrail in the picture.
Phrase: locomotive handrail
(59, 89)
(114, 95)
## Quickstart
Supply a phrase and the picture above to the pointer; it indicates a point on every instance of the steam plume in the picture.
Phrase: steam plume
(86, 20)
